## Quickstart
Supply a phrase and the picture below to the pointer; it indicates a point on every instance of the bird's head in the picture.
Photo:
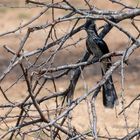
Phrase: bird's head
(90, 25)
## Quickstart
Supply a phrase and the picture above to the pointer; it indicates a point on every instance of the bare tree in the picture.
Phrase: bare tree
(46, 112)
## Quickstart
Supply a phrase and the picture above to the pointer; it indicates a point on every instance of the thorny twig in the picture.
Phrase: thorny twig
(35, 110)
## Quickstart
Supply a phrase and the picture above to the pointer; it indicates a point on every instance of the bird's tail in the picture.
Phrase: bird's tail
(109, 93)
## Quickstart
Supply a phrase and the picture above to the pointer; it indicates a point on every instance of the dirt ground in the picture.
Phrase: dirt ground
(109, 123)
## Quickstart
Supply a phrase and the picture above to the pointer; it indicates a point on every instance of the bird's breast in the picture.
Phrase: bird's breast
(93, 48)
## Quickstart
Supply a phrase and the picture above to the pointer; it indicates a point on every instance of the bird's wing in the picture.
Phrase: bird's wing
(102, 45)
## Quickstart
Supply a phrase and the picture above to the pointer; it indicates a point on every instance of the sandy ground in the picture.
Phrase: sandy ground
(109, 123)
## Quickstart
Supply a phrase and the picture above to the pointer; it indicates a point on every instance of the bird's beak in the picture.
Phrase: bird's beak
(83, 27)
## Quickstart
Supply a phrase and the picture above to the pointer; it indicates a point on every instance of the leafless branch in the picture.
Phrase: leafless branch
(41, 82)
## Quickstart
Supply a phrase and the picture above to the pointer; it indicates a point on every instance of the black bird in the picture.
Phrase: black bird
(97, 47)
